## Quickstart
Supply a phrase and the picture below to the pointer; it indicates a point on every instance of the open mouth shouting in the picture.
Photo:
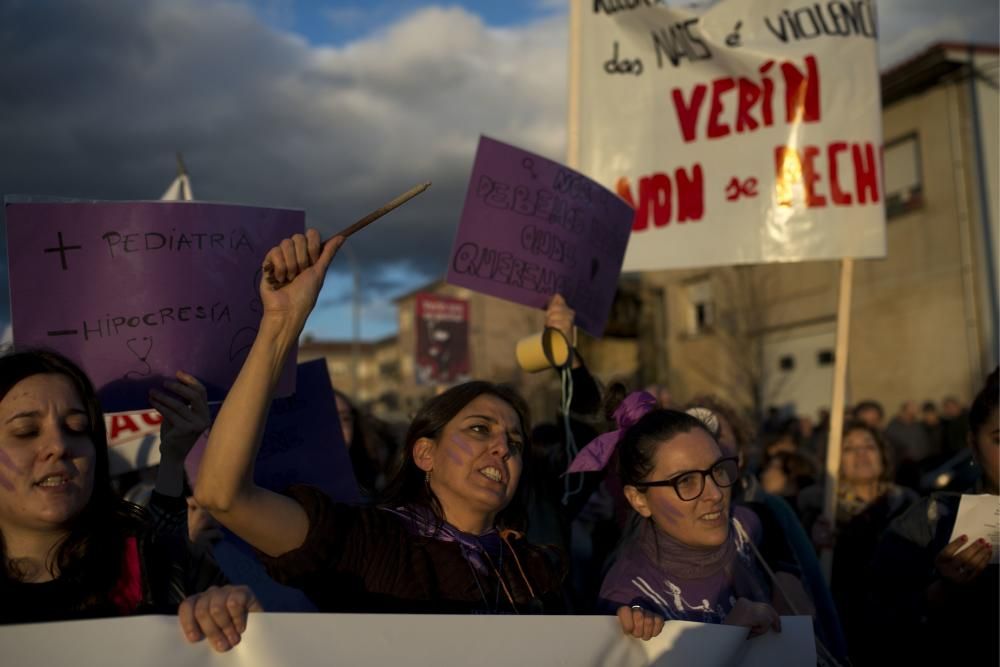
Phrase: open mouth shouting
(54, 481)
(492, 473)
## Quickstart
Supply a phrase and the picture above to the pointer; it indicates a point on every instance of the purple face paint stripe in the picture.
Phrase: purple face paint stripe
(668, 511)
(8, 462)
(466, 447)
(5, 483)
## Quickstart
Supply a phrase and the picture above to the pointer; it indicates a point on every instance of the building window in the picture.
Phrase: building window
(787, 363)
(824, 358)
(701, 307)
(904, 191)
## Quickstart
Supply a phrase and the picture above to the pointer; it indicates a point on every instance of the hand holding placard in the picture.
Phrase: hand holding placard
(183, 405)
(532, 228)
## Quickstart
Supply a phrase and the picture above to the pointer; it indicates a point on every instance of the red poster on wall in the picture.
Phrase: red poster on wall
(442, 325)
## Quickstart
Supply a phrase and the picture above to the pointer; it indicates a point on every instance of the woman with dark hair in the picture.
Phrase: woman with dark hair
(365, 470)
(692, 557)
(369, 445)
(937, 597)
(444, 538)
(70, 548)
(867, 502)
(864, 489)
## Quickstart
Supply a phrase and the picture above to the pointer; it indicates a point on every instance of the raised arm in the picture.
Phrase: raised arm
(271, 522)
(586, 393)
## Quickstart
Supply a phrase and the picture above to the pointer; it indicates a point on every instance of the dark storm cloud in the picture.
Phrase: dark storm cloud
(97, 97)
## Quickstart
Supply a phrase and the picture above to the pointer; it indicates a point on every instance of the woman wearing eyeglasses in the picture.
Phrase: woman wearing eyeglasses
(691, 557)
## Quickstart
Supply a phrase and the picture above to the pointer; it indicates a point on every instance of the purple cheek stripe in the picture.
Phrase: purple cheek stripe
(465, 447)
(8, 462)
(455, 457)
(5, 483)
(668, 511)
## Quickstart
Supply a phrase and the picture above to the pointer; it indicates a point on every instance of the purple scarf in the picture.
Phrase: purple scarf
(733, 557)
(475, 548)
(684, 561)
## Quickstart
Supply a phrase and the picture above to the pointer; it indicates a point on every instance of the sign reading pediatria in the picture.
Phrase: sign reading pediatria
(135, 291)
(741, 131)
(532, 228)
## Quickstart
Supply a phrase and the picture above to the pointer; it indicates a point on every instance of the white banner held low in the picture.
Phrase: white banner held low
(363, 640)
(133, 440)
(748, 131)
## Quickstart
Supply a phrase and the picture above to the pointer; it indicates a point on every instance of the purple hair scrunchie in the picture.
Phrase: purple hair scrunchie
(596, 454)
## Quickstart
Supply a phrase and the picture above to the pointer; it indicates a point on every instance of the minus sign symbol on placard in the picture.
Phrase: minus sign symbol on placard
(63, 332)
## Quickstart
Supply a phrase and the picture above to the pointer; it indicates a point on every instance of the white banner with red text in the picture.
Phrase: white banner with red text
(742, 131)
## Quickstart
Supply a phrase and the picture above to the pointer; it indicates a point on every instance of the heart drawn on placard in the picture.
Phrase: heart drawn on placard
(137, 350)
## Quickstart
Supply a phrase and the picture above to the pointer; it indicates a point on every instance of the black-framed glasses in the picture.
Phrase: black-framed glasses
(690, 485)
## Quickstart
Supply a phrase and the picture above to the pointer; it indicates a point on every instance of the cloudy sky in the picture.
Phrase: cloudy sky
(332, 107)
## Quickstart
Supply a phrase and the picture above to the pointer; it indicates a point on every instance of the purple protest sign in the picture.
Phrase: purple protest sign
(134, 291)
(532, 227)
(302, 442)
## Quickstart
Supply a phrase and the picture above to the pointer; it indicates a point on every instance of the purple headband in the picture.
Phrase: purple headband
(597, 453)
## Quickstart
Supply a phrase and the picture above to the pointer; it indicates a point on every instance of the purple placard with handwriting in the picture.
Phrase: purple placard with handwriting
(134, 291)
(302, 441)
(532, 227)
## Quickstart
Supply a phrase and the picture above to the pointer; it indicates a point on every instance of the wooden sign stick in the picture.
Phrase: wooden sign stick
(361, 224)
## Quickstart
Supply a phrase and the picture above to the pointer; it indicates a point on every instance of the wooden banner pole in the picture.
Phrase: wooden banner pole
(837, 408)
(573, 87)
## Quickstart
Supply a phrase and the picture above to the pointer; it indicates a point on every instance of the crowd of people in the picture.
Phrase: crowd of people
(672, 512)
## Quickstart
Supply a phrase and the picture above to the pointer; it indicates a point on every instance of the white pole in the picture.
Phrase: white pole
(573, 87)
(837, 407)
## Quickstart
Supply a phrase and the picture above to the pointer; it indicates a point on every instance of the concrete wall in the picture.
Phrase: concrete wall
(914, 316)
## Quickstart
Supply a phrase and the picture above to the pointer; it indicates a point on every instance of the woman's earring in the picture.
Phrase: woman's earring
(427, 477)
